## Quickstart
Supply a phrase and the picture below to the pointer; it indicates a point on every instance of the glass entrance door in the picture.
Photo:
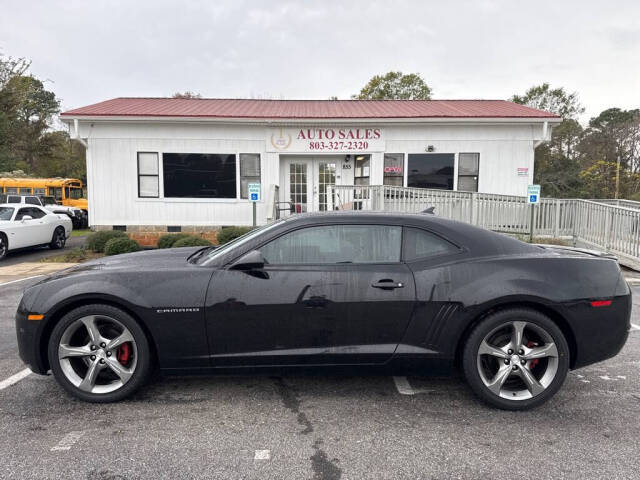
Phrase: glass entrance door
(325, 172)
(304, 182)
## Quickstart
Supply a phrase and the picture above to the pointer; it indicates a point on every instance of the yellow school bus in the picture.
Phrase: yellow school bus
(67, 191)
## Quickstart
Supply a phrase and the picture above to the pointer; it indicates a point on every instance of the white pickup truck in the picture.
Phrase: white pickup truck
(77, 216)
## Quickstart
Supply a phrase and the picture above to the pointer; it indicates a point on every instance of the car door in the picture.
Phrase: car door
(328, 294)
(25, 231)
(43, 227)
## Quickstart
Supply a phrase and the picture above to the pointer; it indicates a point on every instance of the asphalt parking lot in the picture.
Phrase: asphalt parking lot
(317, 427)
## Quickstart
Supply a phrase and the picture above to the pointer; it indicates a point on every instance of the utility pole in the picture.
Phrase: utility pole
(617, 177)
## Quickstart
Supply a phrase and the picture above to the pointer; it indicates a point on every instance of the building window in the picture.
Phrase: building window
(431, 170)
(393, 169)
(249, 172)
(199, 175)
(362, 169)
(148, 178)
(468, 167)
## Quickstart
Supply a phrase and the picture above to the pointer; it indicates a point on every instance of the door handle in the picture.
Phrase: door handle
(387, 284)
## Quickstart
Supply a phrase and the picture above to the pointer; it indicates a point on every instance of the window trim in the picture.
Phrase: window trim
(157, 176)
(430, 257)
(331, 224)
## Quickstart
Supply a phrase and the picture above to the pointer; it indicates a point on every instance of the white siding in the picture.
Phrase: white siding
(113, 147)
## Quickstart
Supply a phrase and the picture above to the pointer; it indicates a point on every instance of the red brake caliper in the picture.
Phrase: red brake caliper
(124, 353)
(533, 362)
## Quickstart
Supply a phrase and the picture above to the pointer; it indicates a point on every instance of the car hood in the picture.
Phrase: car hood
(155, 260)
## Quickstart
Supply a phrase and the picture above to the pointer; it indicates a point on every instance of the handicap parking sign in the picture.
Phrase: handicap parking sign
(254, 192)
(533, 199)
(533, 194)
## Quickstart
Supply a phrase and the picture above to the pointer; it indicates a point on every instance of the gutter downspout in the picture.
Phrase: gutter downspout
(82, 141)
(545, 132)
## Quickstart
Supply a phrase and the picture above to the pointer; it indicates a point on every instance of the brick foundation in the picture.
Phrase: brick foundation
(148, 235)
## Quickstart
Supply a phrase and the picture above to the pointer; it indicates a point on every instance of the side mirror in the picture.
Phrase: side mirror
(27, 217)
(252, 260)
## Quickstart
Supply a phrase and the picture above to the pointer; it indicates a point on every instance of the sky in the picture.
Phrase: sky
(89, 51)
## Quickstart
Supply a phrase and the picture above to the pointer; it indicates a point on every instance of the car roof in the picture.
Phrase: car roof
(478, 240)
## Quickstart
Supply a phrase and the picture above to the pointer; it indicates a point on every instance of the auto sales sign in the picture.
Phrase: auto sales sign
(325, 139)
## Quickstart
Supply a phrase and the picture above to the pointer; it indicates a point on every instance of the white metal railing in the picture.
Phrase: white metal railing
(610, 227)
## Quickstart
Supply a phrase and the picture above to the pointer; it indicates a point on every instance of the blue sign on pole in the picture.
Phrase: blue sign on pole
(533, 194)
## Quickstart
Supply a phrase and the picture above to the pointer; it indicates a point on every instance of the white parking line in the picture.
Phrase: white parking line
(262, 455)
(14, 378)
(20, 280)
(635, 327)
(68, 441)
(403, 386)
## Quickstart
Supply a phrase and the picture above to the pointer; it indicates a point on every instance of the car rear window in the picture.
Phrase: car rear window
(419, 244)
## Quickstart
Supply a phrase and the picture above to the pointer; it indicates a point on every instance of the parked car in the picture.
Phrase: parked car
(78, 217)
(31, 226)
(392, 293)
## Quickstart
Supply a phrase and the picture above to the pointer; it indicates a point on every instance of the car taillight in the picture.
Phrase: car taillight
(601, 303)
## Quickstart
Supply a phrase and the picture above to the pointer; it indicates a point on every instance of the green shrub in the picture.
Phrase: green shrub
(231, 233)
(97, 241)
(192, 241)
(167, 241)
(116, 246)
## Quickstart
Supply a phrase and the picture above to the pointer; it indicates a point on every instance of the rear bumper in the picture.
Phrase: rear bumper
(599, 332)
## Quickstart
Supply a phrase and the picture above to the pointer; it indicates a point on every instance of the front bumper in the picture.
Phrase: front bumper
(28, 334)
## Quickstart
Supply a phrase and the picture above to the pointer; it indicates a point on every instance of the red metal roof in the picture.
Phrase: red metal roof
(306, 109)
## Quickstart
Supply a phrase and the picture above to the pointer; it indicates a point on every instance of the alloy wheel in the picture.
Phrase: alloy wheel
(518, 360)
(3, 247)
(97, 354)
(60, 238)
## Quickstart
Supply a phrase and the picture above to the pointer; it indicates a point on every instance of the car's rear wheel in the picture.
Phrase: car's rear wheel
(516, 359)
(99, 353)
(59, 239)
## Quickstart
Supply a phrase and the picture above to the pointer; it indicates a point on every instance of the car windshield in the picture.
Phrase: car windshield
(218, 252)
(6, 213)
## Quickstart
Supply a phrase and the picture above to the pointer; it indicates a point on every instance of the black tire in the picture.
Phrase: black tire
(143, 367)
(470, 358)
(59, 239)
(4, 246)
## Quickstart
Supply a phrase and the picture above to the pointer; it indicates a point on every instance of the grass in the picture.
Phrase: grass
(75, 255)
(81, 233)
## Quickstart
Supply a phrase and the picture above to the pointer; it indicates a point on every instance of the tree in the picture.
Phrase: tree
(555, 100)
(395, 86)
(186, 94)
(27, 139)
(557, 164)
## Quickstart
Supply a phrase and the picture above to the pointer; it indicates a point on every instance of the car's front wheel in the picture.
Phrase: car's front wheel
(99, 353)
(516, 359)
(58, 239)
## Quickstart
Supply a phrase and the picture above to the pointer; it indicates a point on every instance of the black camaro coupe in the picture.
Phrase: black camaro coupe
(391, 293)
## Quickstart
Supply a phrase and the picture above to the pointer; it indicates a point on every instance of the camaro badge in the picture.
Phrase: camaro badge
(178, 310)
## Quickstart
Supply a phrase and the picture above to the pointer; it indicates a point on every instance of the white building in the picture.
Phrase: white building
(157, 162)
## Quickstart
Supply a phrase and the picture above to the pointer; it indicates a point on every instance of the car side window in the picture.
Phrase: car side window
(36, 212)
(13, 199)
(31, 200)
(334, 244)
(21, 213)
(419, 244)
